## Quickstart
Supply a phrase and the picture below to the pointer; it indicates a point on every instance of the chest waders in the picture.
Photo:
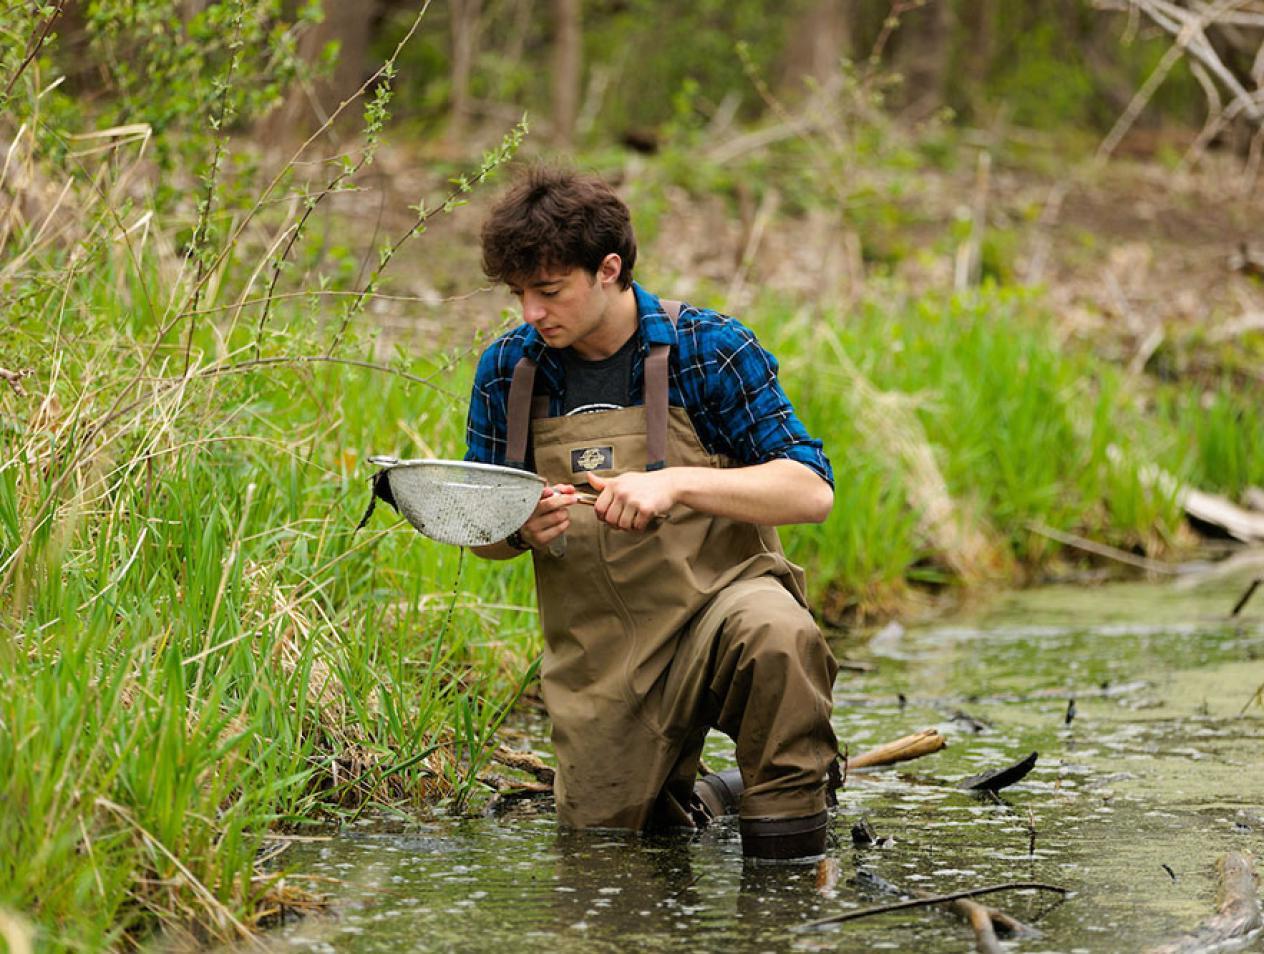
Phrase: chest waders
(654, 637)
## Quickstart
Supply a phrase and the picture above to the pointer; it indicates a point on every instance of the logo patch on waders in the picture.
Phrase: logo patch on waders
(592, 458)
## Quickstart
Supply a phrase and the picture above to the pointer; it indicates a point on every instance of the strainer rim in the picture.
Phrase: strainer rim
(392, 463)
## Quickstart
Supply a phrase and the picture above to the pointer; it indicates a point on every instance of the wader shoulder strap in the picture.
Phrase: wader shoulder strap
(656, 367)
(518, 412)
(520, 408)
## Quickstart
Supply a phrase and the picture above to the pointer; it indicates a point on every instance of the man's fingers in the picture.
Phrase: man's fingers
(552, 518)
(540, 529)
(627, 519)
(552, 500)
(622, 514)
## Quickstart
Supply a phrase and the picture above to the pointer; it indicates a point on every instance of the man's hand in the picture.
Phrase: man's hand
(631, 500)
(551, 517)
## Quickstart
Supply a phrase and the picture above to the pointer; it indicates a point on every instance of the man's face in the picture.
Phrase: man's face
(564, 305)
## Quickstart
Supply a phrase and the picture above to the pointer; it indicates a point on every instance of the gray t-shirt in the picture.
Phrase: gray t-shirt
(603, 385)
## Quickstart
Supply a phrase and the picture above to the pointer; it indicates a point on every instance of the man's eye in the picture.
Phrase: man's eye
(549, 294)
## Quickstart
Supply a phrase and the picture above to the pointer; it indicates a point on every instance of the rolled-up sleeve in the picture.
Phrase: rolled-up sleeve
(743, 392)
(485, 426)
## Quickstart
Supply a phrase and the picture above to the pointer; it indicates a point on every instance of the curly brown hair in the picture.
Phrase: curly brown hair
(557, 219)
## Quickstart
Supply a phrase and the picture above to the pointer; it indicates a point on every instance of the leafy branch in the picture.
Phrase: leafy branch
(463, 185)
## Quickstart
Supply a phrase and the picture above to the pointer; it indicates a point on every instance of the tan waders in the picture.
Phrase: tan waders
(653, 638)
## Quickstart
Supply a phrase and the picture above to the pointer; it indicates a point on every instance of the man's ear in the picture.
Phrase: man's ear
(609, 269)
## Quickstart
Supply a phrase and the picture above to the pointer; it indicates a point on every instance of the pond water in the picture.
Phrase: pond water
(1130, 804)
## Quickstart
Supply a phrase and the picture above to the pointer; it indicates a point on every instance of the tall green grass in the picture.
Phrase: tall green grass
(1222, 435)
(198, 650)
(1024, 432)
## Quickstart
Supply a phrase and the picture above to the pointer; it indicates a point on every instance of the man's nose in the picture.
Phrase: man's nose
(532, 310)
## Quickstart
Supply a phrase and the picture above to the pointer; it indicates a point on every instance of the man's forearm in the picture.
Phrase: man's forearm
(774, 493)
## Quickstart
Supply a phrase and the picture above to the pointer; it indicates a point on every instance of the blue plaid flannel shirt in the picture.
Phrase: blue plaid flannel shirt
(719, 373)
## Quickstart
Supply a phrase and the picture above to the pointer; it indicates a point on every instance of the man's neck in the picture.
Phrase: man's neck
(620, 324)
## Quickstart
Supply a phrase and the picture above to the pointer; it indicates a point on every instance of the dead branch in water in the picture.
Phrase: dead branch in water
(1103, 550)
(935, 899)
(1239, 914)
(987, 922)
(1250, 591)
(914, 746)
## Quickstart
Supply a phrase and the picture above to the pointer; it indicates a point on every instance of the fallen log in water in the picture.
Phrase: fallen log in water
(914, 746)
(908, 747)
(525, 762)
(1239, 915)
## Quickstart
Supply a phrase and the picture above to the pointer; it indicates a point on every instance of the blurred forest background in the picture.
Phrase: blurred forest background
(853, 128)
(629, 70)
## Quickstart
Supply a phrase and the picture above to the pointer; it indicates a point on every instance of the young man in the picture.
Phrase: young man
(668, 607)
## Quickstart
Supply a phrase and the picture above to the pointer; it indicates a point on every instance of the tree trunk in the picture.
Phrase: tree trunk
(923, 56)
(465, 22)
(350, 23)
(567, 68)
(819, 39)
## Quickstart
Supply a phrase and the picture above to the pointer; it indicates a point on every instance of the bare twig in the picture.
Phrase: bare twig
(1142, 97)
(33, 49)
(935, 899)
(890, 25)
(1250, 591)
(987, 921)
(1103, 550)
(219, 122)
(464, 184)
(14, 379)
(1188, 25)
(271, 187)
(334, 293)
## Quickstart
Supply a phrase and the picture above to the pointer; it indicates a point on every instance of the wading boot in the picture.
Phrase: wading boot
(719, 792)
(785, 840)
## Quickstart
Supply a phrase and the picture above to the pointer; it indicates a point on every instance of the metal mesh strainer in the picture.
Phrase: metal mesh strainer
(459, 502)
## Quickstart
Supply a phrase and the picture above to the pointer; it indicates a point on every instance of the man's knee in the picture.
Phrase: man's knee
(773, 629)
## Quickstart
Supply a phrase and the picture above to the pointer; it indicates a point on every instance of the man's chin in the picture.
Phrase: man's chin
(557, 339)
